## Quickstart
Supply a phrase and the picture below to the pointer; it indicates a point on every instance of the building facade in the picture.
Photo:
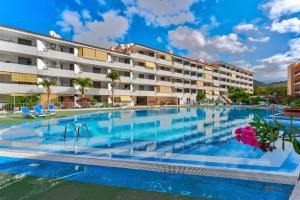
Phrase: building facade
(294, 79)
(147, 76)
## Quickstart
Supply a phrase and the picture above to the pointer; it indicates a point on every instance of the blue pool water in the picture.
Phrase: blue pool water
(180, 184)
(194, 136)
(198, 136)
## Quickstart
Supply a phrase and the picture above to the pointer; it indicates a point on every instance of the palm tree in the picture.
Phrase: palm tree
(83, 83)
(113, 75)
(47, 84)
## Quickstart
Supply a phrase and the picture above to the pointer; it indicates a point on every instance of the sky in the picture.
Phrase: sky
(260, 35)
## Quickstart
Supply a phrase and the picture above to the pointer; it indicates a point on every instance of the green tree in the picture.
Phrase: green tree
(83, 83)
(200, 96)
(113, 75)
(239, 95)
(48, 84)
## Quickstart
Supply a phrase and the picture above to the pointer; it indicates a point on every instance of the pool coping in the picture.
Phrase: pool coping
(156, 166)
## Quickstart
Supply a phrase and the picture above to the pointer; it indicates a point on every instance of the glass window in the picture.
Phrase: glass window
(24, 42)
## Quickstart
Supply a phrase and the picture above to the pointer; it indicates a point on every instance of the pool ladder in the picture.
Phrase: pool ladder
(76, 129)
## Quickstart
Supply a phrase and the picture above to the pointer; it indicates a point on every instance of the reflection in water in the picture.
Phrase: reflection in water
(201, 131)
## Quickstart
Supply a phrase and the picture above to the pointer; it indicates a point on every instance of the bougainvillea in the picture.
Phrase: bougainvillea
(264, 135)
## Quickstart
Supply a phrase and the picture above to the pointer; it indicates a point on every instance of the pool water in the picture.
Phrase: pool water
(197, 136)
(179, 184)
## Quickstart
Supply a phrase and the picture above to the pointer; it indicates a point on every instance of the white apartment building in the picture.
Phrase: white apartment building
(147, 76)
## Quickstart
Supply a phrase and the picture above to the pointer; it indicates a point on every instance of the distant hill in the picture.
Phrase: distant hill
(278, 83)
(259, 83)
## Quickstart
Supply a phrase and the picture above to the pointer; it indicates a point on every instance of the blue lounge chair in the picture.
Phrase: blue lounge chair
(51, 108)
(26, 113)
(38, 111)
(41, 107)
(224, 104)
(231, 104)
(238, 104)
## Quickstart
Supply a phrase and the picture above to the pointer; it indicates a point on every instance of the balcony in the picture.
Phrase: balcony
(164, 72)
(179, 85)
(118, 65)
(97, 91)
(57, 72)
(14, 67)
(93, 76)
(164, 62)
(166, 83)
(143, 69)
(143, 57)
(143, 93)
(125, 79)
(57, 55)
(10, 88)
(144, 81)
(119, 92)
(13, 47)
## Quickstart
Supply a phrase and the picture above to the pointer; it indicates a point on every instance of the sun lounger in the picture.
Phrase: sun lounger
(51, 108)
(26, 113)
(38, 111)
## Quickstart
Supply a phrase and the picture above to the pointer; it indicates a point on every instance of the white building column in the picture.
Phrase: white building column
(40, 45)
(40, 64)
(77, 68)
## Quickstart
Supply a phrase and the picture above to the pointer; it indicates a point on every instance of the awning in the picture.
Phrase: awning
(125, 98)
(168, 57)
(200, 83)
(216, 92)
(101, 55)
(150, 65)
(208, 76)
(208, 68)
(28, 78)
(20, 94)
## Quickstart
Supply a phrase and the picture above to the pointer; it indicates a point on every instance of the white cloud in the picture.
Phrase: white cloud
(103, 33)
(199, 46)
(262, 39)
(275, 67)
(78, 2)
(86, 14)
(288, 25)
(159, 39)
(162, 12)
(279, 8)
(244, 27)
(102, 2)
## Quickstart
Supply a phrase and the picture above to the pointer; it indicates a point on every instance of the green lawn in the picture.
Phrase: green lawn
(10, 119)
(29, 187)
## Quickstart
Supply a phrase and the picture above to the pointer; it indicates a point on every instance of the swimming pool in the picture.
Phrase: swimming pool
(195, 141)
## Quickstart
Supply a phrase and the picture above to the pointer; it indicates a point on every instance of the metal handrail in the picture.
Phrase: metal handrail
(76, 129)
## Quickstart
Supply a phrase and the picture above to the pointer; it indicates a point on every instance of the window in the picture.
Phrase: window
(97, 84)
(96, 70)
(72, 50)
(141, 76)
(141, 87)
(24, 61)
(24, 42)
(71, 66)
(5, 77)
(151, 77)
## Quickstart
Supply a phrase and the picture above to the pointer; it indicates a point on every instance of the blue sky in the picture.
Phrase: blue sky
(262, 35)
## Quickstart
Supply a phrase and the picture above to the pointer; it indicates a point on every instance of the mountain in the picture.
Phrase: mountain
(258, 83)
(261, 84)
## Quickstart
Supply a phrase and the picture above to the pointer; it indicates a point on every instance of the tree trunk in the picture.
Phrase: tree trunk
(82, 92)
(112, 94)
(48, 91)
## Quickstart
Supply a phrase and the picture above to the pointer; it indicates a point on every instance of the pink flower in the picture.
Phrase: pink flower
(247, 135)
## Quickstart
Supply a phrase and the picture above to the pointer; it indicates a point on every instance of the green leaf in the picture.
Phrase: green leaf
(296, 146)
